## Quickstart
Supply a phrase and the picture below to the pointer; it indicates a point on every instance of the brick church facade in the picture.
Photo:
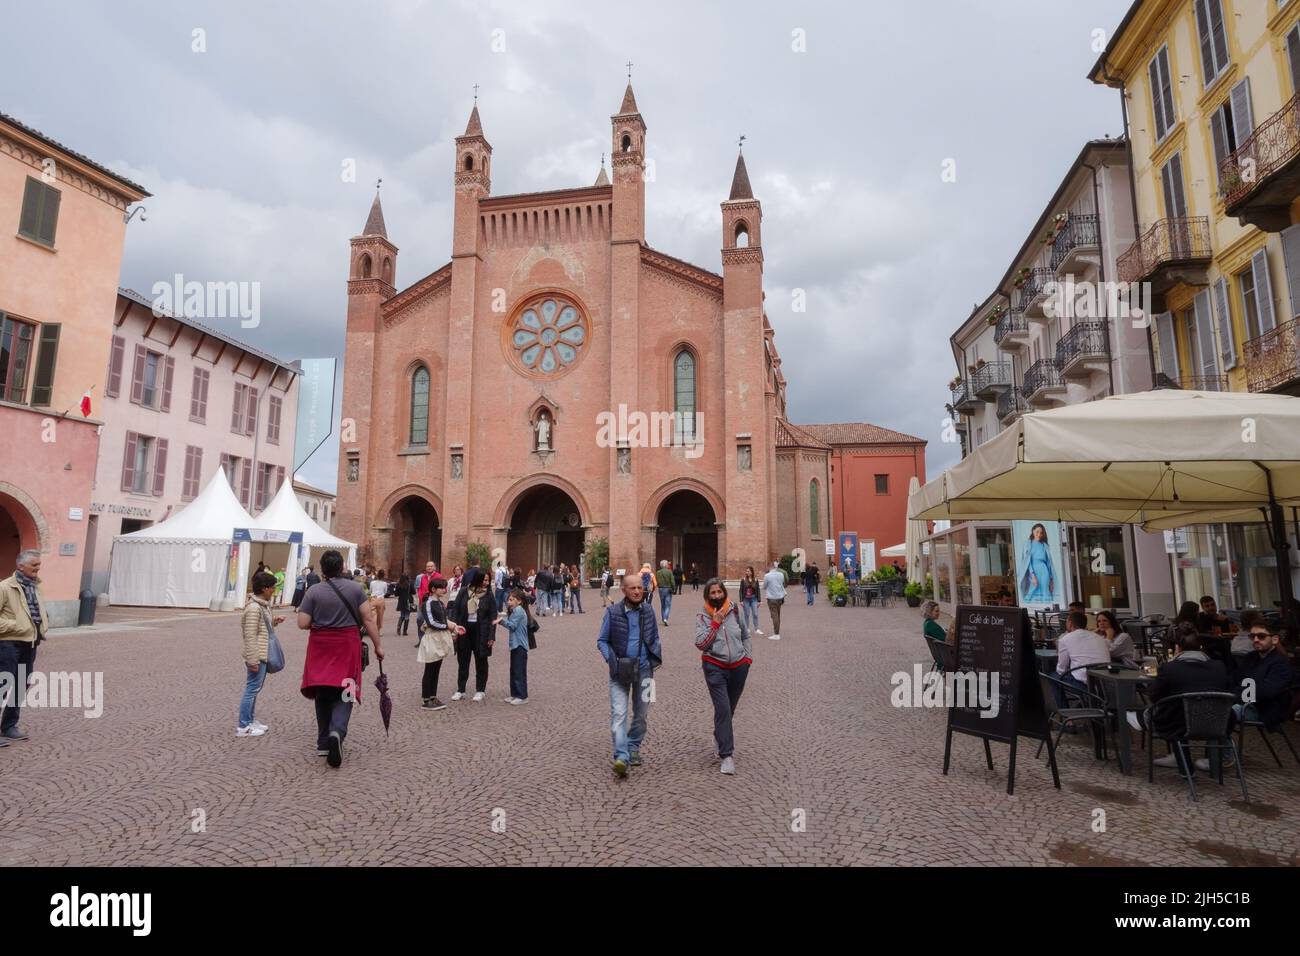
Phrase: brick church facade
(502, 398)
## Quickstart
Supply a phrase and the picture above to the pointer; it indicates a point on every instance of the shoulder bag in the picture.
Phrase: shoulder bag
(274, 652)
(361, 628)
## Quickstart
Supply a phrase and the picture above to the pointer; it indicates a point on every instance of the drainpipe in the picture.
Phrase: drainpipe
(1133, 199)
(1101, 271)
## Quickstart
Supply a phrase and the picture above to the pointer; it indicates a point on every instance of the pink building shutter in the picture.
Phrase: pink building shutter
(279, 477)
(160, 468)
(137, 376)
(237, 413)
(203, 401)
(168, 370)
(251, 405)
(115, 358)
(246, 483)
(273, 421)
(128, 462)
(198, 471)
(196, 395)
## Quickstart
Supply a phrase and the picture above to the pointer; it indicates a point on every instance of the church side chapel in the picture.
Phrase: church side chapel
(479, 389)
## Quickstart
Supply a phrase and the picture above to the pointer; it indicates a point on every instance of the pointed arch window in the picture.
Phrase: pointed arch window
(684, 405)
(420, 406)
(814, 505)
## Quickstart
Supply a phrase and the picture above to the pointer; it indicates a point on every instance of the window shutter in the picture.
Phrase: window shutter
(1167, 88)
(1243, 121)
(1157, 107)
(1291, 262)
(1293, 57)
(1219, 137)
(187, 480)
(137, 376)
(1263, 291)
(279, 478)
(1209, 361)
(203, 402)
(1227, 347)
(1175, 198)
(273, 420)
(29, 222)
(237, 413)
(128, 462)
(43, 383)
(49, 215)
(246, 482)
(1203, 34)
(250, 404)
(196, 394)
(168, 369)
(159, 467)
(115, 357)
(1218, 37)
(1168, 346)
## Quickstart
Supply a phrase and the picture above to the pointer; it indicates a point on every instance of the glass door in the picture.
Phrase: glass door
(1101, 567)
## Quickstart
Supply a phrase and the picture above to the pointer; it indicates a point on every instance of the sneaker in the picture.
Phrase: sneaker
(334, 755)
(635, 758)
(1168, 760)
(1204, 763)
(509, 700)
(758, 631)
(3, 743)
(322, 751)
(479, 697)
(252, 730)
(772, 637)
(434, 703)
(459, 695)
(15, 733)
(728, 766)
(620, 767)
(1133, 721)
(258, 723)
(517, 701)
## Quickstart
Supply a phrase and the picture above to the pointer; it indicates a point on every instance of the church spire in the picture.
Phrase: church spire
(375, 221)
(474, 127)
(603, 178)
(629, 101)
(740, 188)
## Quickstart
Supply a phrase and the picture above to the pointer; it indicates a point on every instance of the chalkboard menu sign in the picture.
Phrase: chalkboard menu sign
(995, 692)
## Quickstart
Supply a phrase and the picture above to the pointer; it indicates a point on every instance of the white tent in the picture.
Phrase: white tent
(189, 560)
(894, 551)
(285, 513)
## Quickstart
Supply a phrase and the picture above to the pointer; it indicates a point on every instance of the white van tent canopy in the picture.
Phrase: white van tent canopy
(285, 513)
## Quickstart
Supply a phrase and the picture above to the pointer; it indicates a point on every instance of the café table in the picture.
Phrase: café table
(1148, 629)
(1119, 689)
(1046, 658)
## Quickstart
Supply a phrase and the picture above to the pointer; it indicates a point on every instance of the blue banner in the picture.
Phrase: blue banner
(849, 550)
(315, 408)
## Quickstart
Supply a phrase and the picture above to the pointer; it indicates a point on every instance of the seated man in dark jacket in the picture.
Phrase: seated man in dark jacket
(1190, 672)
(1266, 678)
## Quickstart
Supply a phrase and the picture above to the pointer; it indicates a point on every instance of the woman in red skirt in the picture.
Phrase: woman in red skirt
(335, 611)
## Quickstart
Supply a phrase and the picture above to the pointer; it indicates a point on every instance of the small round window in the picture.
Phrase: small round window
(548, 335)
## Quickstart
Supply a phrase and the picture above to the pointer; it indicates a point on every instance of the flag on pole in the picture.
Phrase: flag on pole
(85, 403)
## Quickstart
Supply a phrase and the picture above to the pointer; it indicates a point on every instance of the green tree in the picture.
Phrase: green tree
(479, 550)
(597, 556)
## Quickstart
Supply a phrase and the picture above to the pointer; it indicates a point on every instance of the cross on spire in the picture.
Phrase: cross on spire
(378, 183)
(476, 94)
(740, 143)
(629, 71)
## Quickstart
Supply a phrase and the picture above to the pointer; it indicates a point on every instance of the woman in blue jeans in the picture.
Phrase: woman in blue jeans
(749, 594)
(257, 627)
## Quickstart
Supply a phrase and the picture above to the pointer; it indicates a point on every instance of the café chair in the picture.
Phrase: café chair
(1207, 719)
(1264, 732)
(1083, 707)
(941, 653)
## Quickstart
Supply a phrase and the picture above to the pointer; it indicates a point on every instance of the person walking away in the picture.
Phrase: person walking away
(629, 644)
(679, 578)
(405, 600)
(557, 591)
(257, 628)
(517, 620)
(436, 645)
(664, 579)
(335, 612)
(23, 623)
(378, 594)
(817, 578)
(749, 595)
(695, 577)
(724, 646)
(475, 611)
(648, 583)
(774, 591)
(807, 577)
(542, 586)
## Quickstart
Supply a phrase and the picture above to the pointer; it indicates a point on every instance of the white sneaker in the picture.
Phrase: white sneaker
(261, 726)
(479, 697)
(458, 696)
(1168, 760)
(509, 700)
(252, 730)
(519, 701)
(773, 637)
(1204, 763)
(758, 630)
(728, 766)
(1133, 721)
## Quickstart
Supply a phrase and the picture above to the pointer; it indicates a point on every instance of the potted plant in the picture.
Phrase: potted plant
(1060, 219)
(913, 593)
(927, 592)
(837, 588)
(1022, 276)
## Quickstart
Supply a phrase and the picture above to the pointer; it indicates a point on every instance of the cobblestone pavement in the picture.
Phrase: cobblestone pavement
(817, 741)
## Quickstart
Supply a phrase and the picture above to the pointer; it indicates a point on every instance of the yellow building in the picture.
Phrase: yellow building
(1208, 89)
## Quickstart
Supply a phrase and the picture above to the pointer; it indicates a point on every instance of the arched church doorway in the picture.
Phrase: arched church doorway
(688, 533)
(17, 531)
(417, 537)
(545, 528)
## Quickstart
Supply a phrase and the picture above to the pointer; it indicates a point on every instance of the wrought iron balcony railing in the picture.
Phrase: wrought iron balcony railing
(1273, 359)
(1196, 383)
(1086, 338)
(1273, 144)
(960, 395)
(1078, 231)
(1011, 402)
(1042, 374)
(1168, 241)
(1011, 321)
(990, 376)
(1033, 285)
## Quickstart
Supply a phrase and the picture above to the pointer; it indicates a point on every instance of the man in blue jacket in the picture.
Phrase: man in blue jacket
(1266, 679)
(629, 643)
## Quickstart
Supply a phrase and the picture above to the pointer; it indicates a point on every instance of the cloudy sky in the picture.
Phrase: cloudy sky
(244, 143)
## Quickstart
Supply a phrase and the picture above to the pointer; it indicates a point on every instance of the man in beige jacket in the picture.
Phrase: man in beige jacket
(23, 624)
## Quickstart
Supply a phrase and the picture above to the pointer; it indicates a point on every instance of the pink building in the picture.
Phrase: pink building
(180, 401)
(64, 222)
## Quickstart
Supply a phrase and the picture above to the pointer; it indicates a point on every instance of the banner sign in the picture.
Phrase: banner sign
(848, 549)
(315, 408)
(271, 537)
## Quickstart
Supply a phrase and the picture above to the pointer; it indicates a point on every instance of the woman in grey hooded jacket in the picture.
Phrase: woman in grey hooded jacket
(723, 642)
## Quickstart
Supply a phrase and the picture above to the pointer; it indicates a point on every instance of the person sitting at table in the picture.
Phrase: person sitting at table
(1241, 642)
(1119, 642)
(1210, 621)
(1078, 648)
(1188, 613)
(1191, 671)
(932, 627)
(1006, 598)
(1265, 675)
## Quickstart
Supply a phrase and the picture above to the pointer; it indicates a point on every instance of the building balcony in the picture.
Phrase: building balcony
(990, 379)
(1195, 383)
(1035, 292)
(1171, 252)
(1259, 181)
(1011, 405)
(1012, 332)
(1081, 353)
(1273, 359)
(1077, 243)
(964, 400)
(1044, 387)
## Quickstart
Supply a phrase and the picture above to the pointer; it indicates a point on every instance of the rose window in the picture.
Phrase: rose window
(548, 335)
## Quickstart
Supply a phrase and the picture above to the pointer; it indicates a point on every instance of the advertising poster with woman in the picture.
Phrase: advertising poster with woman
(1039, 566)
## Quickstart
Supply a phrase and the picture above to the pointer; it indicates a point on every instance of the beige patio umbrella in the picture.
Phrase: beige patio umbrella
(915, 532)
(1160, 459)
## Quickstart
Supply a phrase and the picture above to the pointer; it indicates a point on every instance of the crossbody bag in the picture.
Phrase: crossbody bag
(361, 630)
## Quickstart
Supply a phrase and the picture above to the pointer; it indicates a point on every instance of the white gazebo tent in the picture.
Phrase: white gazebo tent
(192, 559)
(285, 513)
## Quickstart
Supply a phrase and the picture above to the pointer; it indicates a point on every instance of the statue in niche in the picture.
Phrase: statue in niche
(543, 432)
(625, 461)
